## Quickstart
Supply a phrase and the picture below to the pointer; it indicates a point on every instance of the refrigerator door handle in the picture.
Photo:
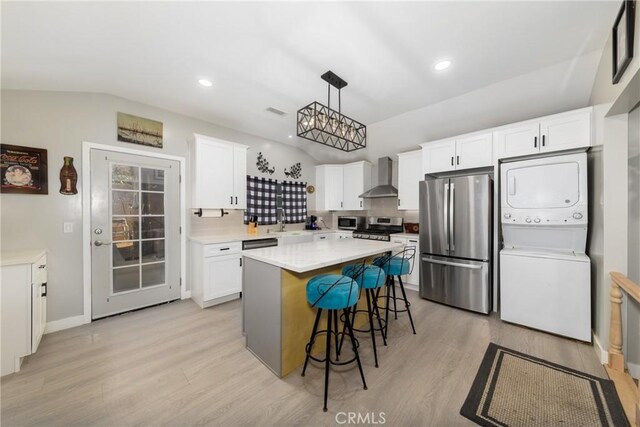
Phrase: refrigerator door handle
(453, 264)
(451, 217)
(446, 216)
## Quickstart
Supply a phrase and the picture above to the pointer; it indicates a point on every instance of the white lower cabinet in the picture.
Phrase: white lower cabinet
(324, 236)
(411, 280)
(216, 273)
(24, 310)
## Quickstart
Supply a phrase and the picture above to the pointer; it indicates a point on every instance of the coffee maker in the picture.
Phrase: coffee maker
(312, 223)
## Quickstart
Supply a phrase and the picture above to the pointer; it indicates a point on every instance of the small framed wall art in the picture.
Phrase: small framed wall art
(138, 130)
(622, 39)
(23, 170)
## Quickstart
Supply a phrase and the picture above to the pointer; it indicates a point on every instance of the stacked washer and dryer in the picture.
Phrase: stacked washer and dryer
(544, 272)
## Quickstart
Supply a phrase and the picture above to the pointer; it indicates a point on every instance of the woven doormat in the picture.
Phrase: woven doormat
(514, 389)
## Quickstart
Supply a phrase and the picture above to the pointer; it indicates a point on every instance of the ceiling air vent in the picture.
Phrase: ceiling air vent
(276, 111)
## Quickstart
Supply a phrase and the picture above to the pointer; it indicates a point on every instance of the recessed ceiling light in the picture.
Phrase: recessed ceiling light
(205, 82)
(290, 136)
(442, 65)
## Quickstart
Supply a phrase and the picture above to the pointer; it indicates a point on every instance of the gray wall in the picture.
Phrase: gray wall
(633, 309)
(59, 122)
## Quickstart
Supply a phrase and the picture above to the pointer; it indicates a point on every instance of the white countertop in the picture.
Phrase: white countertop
(21, 257)
(238, 237)
(407, 235)
(303, 257)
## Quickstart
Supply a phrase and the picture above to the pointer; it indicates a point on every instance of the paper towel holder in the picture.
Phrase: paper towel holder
(198, 212)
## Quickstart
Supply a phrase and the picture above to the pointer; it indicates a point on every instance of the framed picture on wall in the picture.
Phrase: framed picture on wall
(622, 39)
(138, 130)
(23, 170)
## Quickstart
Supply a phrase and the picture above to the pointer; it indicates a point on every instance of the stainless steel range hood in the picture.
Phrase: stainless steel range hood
(384, 187)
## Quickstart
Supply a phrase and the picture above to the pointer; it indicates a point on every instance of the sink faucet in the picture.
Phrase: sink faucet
(280, 221)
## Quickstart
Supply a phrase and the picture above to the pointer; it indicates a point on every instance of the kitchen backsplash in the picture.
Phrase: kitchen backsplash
(234, 223)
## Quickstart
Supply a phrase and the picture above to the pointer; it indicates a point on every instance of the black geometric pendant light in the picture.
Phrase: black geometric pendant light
(321, 124)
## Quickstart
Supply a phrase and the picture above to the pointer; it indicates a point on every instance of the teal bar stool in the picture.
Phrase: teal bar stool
(369, 278)
(333, 293)
(396, 265)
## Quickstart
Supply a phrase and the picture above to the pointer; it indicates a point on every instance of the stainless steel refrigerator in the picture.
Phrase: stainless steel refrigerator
(455, 241)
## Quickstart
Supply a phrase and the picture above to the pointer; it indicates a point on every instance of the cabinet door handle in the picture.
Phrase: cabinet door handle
(341, 204)
(236, 200)
(42, 266)
(457, 160)
(535, 142)
(398, 202)
(44, 285)
(543, 143)
(231, 201)
(224, 249)
(240, 262)
(360, 203)
(451, 160)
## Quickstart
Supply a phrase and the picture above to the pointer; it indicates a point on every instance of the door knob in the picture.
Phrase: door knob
(101, 243)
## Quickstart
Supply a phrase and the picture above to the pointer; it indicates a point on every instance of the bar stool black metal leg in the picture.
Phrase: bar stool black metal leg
(344, 330)
(327, 362)
(335, 322)
(393, 288)
(406, 303)
(312, 340)
(373, 332)
(355, 347)
(386, 315)
(377, 313)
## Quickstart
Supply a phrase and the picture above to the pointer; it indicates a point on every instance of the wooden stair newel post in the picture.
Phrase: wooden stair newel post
(616, 358)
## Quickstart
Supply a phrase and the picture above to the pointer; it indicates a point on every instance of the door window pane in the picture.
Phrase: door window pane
(126, 253)
(153, 227)
(152, 203)
(124, 203)
(152, 250)
(152, 274)
(152, 179)
(124, 228)
(124, 177)
(126, 279)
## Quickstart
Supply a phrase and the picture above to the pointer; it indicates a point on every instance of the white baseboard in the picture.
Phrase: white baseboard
(603, 355)
(66, 323)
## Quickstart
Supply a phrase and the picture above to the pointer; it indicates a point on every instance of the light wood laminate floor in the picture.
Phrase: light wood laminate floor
(176, 364)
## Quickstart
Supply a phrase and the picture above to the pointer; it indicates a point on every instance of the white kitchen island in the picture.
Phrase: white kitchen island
(277, 319)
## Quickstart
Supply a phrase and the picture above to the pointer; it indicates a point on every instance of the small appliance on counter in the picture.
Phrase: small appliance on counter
(352, 223)
(252, 227)
(412, 227)
(312, 223)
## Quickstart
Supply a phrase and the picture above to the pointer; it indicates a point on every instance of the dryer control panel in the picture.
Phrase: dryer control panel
(546, 217)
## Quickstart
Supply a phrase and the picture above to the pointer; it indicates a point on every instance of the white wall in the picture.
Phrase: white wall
(59, 122)
(609, 234)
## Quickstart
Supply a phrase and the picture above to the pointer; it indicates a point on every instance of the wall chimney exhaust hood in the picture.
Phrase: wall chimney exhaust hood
(384, 187)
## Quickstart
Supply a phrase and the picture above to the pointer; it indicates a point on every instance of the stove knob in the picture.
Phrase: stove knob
(528, 220)
(577, 215)
(537, 220)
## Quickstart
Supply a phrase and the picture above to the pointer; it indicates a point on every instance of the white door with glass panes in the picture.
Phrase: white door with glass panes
(135, 232)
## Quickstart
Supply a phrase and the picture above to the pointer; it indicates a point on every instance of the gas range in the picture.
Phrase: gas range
(380, 228)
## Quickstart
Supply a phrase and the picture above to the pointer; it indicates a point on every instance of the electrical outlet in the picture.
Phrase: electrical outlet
(68, 227)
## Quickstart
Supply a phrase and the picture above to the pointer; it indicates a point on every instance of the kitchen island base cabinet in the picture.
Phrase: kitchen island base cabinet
(277, 317)
(216, 272)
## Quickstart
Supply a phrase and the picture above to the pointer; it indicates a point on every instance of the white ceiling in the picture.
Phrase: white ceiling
(273, 53)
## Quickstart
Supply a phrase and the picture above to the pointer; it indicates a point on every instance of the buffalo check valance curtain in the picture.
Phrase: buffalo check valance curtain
(261, 200)
(263, 203)
(294, 201)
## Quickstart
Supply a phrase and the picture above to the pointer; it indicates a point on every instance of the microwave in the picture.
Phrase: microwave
(352, 222)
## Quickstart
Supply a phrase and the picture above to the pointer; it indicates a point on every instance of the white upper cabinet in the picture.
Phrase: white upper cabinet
(464, 152)
(518, 140)
(409, 175)
(474, 151)
(338, 187)
(218, 173)
(439, 156)
(566, 131)
(554, 133)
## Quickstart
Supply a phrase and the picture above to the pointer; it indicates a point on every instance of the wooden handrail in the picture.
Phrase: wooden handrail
(630, 287)
(627, 390)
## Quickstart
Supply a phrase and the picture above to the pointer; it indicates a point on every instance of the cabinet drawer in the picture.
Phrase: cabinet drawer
(222, 249)
(39, 270)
